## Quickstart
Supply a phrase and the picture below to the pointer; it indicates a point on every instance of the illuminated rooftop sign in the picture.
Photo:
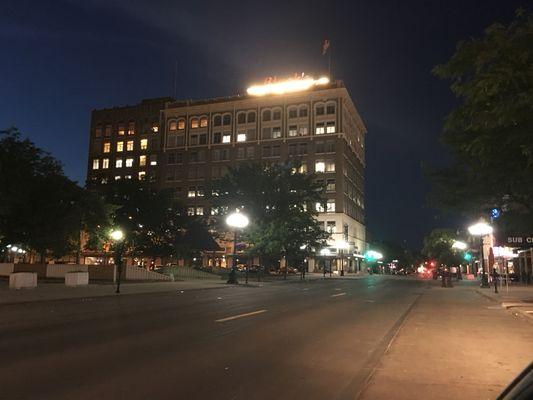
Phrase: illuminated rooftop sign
(291, 85)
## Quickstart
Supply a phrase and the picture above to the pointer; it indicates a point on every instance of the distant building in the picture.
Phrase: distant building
(186, 144)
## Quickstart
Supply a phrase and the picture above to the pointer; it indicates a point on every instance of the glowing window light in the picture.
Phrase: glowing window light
(287, 86)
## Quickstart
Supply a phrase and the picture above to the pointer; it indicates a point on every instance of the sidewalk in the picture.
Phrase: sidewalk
(454, 344)
(58, 291)
(519, 298)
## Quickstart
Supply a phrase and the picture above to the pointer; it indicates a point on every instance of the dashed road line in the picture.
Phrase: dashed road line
(338, 294)
(241, 316)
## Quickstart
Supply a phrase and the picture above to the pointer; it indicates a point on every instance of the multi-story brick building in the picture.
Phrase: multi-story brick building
(199, 140)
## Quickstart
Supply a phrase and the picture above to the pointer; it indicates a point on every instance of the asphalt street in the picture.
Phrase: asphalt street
(315, 340)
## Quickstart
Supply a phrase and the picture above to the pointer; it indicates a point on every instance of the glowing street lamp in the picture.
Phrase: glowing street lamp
(459, 245)
(117, 236)
(342, 245)
(236, 221)
(481, 229)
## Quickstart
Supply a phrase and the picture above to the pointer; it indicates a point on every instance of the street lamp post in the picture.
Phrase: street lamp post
(481, 229)
(118, 238)
(236, 221)
(341, 246)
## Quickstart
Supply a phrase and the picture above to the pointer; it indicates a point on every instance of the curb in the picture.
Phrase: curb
(513, 309)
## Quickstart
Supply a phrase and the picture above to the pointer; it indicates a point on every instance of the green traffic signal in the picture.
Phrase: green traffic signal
(468, 256)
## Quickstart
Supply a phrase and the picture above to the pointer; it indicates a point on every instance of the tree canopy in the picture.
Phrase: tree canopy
(490, 131)
(280, 203)
(438, 246)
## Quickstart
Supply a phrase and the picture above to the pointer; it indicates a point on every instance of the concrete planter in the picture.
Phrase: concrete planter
(20, 280)
(77, 278)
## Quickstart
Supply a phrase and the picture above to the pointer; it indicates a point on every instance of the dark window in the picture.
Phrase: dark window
(171, 158)
(293, 149)
(251, 117)
(241, 118)
(276, 115)
(98, 131)
(303, 148)
(267, 151)
(267, 115)
(217, 121)
(250, 152)
(330, 109)
(179, 158)
(275, 150)
(330, 146)
(320, 110)
(240, 153)
(227, 119)
(320, 147)
(217, 137)
(293, 113)
(303, 112)
(266, 133)
(203, 138)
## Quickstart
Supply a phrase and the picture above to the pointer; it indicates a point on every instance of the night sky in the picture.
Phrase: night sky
(61, 59)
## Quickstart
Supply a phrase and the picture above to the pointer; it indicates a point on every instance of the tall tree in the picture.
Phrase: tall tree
(490, 132)
(41, 209)
(438, 246)
(281, 205)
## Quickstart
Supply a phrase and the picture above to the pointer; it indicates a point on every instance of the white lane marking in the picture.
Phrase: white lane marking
(529, 312)
(305, 289)
(337, 288)
(241, 316)
(370, 301)
(338, 294)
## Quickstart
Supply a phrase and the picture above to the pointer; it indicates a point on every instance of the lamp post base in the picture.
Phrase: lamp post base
(484, 281)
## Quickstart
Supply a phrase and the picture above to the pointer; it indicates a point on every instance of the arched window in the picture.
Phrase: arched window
(276, 114)
(172, 125)
(181, 124)
(241, 118)
(293, 112)
(194, 123)
(267, 115)
(319, 109)
(203, 122)
(251, 116)
(302, 112)
(226, 120)
(330, 108)
(217, 121)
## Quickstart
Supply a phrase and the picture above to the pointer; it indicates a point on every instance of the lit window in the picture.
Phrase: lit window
(203, 122)
(144, 144)
(191, 192)
(241, 137)
(276, 132)
(131, 128)
(107, 147)
(194, 123)
(330, 226)
(199, 211)
(320, 166)
(129, 162)
(214, 211)
(127, 176)
(155, 128)
(153, 159)
(319, 207)
(120, 146)
(96, 163)
(304, 131)
(98, 131)
(129, 145)
(108, 130)
(200, 192)
(190, 210)
(142, 175)
(121, 130)
(293, 130)
(330, 127)
(172, 126)
(226, 138)
(330, 166)
(142, 161)
(118, 163)
(320, 129)
(330, 206)
(105, 163)
(181, 124)
(118, 177)
(303, 168)
(330, 185)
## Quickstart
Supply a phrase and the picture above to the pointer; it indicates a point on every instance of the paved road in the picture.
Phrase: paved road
(314, 340)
